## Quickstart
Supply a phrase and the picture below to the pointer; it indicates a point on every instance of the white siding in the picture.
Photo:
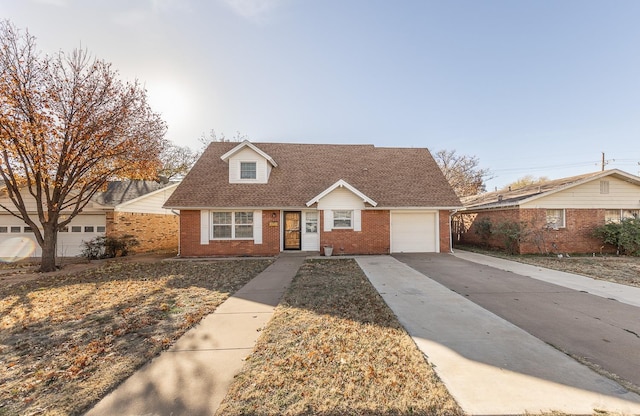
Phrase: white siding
(248, 155)
(341, 199)
(621, 194)
(149, 204)
(31, 205)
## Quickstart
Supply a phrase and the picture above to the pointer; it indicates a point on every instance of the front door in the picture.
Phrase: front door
(292, 230)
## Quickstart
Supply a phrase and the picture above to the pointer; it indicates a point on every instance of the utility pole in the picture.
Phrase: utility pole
(604, 162)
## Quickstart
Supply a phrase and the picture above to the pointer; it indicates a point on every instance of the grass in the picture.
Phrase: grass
(333, 347)
(617, 269)
(68, 339)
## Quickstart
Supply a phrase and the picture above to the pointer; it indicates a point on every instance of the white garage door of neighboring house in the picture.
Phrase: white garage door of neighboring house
(414, 232)
(16, 240)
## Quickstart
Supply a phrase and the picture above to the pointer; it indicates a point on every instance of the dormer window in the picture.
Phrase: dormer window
(247, 170)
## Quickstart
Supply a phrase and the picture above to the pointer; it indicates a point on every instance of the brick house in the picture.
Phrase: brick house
(558, 216)
(258, 199)
(124, 207)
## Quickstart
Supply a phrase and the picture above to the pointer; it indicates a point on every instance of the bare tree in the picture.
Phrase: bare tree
(526, 181)
(463, 172)
(176, 161)
(215, 137)
(67, 126)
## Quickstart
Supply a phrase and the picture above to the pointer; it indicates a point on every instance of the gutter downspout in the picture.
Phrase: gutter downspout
(451, 214)
(178, 214)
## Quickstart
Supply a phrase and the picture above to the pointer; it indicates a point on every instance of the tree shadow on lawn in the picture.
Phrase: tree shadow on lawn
(67, 340)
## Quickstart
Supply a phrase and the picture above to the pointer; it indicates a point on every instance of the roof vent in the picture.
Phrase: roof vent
(499, 198)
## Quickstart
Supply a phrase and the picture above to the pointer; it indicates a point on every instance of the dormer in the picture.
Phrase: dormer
(248, 164)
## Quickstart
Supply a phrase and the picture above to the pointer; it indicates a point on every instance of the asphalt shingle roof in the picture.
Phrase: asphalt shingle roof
(511, 197)
(392, 177)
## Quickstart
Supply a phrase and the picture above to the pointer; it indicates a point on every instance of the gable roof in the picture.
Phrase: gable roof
(515, 197)
(118, 192)
(392, 177)
(247, 143)
(341, 184)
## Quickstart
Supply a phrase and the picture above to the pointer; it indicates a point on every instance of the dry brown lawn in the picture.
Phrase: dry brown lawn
(618, 269)
(333, 347)
(67, 339)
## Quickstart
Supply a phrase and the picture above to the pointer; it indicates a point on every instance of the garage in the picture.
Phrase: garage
(414, 232)
(17, 240)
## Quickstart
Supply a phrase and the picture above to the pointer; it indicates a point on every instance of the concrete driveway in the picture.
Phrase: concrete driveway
(603, 331)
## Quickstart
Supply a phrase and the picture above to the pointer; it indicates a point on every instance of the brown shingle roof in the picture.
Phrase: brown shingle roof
(513, 197)
(393, 177)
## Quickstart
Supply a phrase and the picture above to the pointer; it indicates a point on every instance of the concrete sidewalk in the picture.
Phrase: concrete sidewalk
(489, 365)
(193, 376)
(609, 290)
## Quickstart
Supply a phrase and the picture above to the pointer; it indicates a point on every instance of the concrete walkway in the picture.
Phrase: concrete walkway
(609, 290)
(193, 376)
(489, 365)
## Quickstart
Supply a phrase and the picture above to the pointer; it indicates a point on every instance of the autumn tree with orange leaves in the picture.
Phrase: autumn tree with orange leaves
(67, 126)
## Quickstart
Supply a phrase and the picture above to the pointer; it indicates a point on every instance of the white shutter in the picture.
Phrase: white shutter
(328, 220)
(357, 220)
(204, 226)
(257, 227)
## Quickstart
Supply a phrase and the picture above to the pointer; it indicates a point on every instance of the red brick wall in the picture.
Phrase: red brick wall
(153, 231)
(445, 232)
(574, 238)
(374, 238)
(190, 239)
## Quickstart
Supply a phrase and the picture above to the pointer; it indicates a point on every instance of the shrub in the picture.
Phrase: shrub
(511, 233)
(108, 247)
(625, 235)
(483, 228)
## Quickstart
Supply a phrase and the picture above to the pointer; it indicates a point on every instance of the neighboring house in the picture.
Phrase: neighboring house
(125, 207)
(558, 216)
(251, 199)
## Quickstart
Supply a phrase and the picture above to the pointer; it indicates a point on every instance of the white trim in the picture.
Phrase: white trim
(342, 184)
(246, 143)
(204, 226)
(134, 200)
(357, 220)
(328, 220)
(257, 227)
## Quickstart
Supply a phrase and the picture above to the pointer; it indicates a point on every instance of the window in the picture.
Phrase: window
(16, 229)
(4, 229)
(101, 228)
(616, 215)
(604, 187)
(232, 225)
(311, 222)
(88, 229)
(221, 224)
(247, 170)
(64, 229)
(611, 215)
(243, 225)
(28, 229)
(342, 219)
(76, 229)
(555, 218)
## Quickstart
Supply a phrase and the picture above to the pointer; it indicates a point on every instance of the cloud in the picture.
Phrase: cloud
(257, 11)
(57, 3)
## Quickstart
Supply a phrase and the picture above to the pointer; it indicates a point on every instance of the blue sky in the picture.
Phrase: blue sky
(529, 87)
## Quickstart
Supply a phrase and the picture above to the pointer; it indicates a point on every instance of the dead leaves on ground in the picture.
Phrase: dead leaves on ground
(334, 347)
(66, 340)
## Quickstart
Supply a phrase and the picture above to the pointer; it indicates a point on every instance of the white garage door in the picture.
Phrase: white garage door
(17, 241)
(414, 232)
